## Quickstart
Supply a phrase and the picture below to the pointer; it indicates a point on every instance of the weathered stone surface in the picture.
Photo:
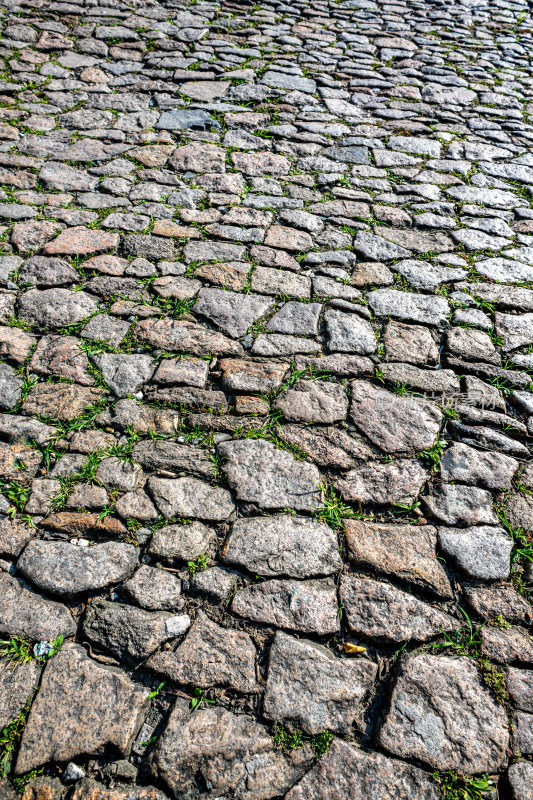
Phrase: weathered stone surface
(327, 446)
(461, 505)
(173, 456)
(64, 569)
(55, 308)
(14, 536)
(188, 337)
(306, 606)
(521, 779)
(24, 612)
(125, 631)
(348, 333)
(17, 685)
(427, 309)
(499, 601)
(313, 401)
(125, 374)
(61, 356)
(108, 710)
(229, 752)
(520, 687)
(282, 545)
(272, 478)
(309, 689)
(403, 551)
(347, 773)
(210, 655)
(184, 542)
(239, 375)
(88, 789)
(233, 313)
(395, 424)
(379, 612)
(482, 552)
(61, 401)
(466, 465)
(190, 497)
(506, 646)
(398, 481)
(84, 524)
(441, 711)
(82, 241)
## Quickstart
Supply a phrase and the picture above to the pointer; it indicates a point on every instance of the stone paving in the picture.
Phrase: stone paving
(266, 392)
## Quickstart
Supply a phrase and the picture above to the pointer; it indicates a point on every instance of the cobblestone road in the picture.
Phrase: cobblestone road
(266, 393)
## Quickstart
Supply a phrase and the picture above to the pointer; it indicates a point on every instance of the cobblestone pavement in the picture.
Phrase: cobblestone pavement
(266, 392)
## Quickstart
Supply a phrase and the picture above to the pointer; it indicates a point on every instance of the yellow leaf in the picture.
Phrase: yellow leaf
(353, 649)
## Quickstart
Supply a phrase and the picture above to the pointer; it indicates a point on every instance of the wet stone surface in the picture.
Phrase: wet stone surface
(266, 397)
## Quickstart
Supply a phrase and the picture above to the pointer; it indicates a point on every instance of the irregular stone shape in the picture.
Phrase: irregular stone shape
(239, 375)
(87, 789)
(185, 119)
(260, 473)
(427, 309)
(64, 569)
(499, 601)
(55, 308)
(17, 685)
(520, 687)
(61, 356)
(83, 524)
(233, 754)
(61, 401)
(296, 319)
(410, 343)
(519, 512)
(461, 505)
(189, 497)
(260, 164)
(309, 689)
(153, 589)
(24, 612)
(484, 468)
(184, 542)
(428, 380)
(349, 333)
(394, 423)
(188, 371)
(347, 773)
(282, 545)
(14, 536)
(125, 374)
(173, 456)
(398, 481)
(10, 387)
(442, 714)
(375, 248)
(142, 418)
(313, 401)
(18, 463)
(380, 612)
(328, 446)
(114, 473)
(215, 583)
(306, 606)
(208, 399)
(520, 777)
(506, 646)
(196, 157)
(82, 241)
(15, 344)
(126, 631)
(406, 552)
(482, 552)
(210, 655)
(108, 711)
(179, 336)
(472, 344)
(64, 178)
(230, 311)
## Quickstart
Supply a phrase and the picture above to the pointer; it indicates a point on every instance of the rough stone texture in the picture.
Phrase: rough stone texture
(379, 612)
(108, 710)
(64, 569)
(25, 612)
(265, 269)
(272, 478)
(308, 606)
(441, 711)
(347, 773)
(521, 780)
(309, 689)
(403, 551)
(282, 545)
(394, 424)
(210, 655)
(229, 752)
(17, 685)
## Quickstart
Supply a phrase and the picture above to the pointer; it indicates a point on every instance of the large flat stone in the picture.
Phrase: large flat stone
(442, 714)
(81, 708)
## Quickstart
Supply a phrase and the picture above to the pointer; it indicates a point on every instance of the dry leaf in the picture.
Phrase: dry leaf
(353, 649)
